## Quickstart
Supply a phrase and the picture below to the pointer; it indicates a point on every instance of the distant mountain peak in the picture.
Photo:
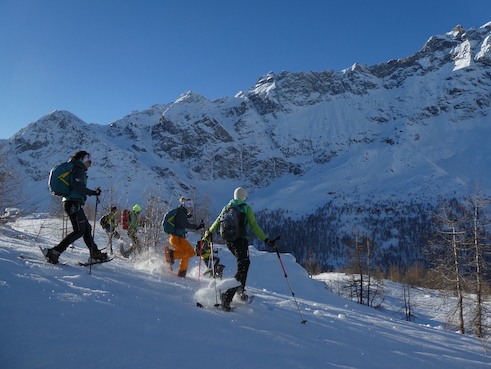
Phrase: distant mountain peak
(191, 97)
(404, 126)
(457, 31)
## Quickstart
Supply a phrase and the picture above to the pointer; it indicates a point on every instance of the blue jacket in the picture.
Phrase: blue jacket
(182, 223)
(79, 190)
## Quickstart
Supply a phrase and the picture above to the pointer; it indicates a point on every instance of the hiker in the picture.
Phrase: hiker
(109, 224)
(240, 246)
(73, 205)
(212, 262)
(182, 248)
(132, 229)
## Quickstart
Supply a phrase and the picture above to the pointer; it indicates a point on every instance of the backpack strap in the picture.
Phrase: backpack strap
(244, 212)
(179, 231)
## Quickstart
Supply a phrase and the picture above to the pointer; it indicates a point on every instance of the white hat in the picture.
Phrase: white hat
(240, 194)
(188, 203)
(87, 157)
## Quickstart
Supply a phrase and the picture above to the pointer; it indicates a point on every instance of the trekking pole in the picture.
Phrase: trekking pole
(93, 232)
(212, 264)
(97, 201)
(199, 261)
(286, 276)
(200, 253)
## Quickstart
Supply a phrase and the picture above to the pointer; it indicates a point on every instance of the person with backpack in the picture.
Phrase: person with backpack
(132, 224)
(109, 224)
(182, 248)
(212, 262)
(234, 222)
(73, 204)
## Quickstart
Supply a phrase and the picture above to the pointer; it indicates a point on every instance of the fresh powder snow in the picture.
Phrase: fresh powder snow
(134, 313)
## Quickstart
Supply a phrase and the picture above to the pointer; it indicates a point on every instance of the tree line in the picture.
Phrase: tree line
(445, 246)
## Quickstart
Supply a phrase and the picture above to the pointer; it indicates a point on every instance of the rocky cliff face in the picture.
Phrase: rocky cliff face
(404, 125)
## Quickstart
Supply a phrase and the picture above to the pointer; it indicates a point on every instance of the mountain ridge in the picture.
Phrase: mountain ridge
(413, 129)
(261, 121)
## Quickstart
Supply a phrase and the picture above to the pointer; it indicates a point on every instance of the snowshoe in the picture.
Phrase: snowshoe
(169, 256)
(225, 305)
(98, 257)
(51, 255)
(243, 296)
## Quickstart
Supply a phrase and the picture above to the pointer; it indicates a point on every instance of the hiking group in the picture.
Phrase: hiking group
(233, 224)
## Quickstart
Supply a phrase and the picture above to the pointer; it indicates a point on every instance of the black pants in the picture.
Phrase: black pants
(81, 227)
(240, 249)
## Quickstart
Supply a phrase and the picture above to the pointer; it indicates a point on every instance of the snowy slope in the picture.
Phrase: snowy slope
(134, 314)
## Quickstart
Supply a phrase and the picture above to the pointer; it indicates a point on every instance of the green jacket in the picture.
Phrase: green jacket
(250, 223)
(133, 218)
(111, 219)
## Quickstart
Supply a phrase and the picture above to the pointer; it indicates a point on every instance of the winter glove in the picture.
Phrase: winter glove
(201, 226)
(98, 191)
(207, 236)
(271, 243)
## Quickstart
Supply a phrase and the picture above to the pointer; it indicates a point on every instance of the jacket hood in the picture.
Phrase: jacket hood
(78, 163)
(236, 202)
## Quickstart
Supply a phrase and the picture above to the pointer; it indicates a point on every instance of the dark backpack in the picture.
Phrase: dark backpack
(232, 223)
(125, 219)
(169, 222)
(104, 223)
(60, 179)
(202, 247)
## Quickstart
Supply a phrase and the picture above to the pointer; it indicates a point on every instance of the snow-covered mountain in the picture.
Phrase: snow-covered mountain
(409, 129)
(132, 313)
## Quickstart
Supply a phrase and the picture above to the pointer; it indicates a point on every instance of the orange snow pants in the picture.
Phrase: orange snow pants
(182, 251)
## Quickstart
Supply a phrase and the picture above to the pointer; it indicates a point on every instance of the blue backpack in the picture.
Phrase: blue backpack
(169, 222)
(60, 179)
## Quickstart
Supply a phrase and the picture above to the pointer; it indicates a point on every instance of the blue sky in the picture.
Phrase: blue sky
(102, 59)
